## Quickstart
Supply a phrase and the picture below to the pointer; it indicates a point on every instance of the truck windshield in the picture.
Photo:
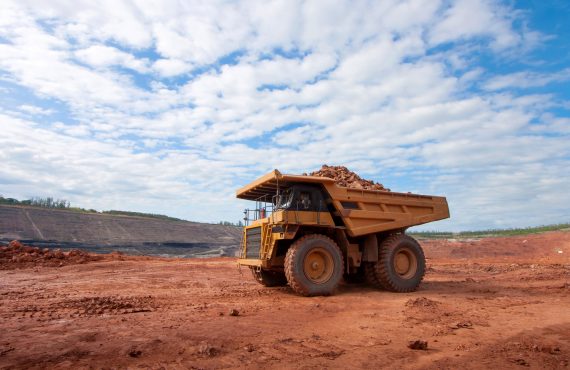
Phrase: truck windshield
(284, 200)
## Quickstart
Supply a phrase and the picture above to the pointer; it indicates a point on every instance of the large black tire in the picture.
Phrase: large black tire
(401, 263)
(370, 275)
(314, 265)
(269, 278)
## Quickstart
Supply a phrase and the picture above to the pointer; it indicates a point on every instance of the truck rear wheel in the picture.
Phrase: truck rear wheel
(314, 265)
(401, 264)
(269, 278)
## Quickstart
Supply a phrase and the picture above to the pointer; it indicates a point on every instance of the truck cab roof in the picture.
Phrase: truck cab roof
(268, 184)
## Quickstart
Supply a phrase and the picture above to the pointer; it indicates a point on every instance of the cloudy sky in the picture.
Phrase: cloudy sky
(169, 106)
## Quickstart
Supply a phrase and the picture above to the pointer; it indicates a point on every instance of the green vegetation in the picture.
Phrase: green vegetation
(141, 214)
(64, 204)
(487, 233)
(227, 223)
(48, 202)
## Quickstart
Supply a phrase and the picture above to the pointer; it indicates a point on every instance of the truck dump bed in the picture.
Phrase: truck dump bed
(362, 211)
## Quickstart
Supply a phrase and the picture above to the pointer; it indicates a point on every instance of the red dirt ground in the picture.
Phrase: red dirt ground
(497, 302)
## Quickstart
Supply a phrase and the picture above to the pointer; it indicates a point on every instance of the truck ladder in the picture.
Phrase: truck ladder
(266, 240)
(243, 243)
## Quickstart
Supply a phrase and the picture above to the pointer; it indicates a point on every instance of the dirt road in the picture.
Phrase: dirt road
(502, 303)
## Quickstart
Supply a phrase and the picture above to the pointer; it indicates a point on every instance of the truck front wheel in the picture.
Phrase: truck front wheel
(314, 265)
(401, 264)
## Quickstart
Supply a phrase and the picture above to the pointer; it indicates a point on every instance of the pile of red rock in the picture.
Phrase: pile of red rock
(344, 177)
(17, 255)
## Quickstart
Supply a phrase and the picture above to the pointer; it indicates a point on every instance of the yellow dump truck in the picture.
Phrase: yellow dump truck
(308, 232)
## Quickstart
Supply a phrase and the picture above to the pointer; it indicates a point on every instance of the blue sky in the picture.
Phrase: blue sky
(169, 108)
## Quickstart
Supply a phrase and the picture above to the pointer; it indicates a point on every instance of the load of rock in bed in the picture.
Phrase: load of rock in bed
(18, 255)
(345, 177)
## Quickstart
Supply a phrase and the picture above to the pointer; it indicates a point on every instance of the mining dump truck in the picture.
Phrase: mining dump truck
(308, 232)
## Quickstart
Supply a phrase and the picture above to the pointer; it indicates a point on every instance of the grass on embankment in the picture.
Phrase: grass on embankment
(487, 233)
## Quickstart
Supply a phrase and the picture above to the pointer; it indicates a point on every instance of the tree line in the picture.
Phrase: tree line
(228, 223)
(48, 202)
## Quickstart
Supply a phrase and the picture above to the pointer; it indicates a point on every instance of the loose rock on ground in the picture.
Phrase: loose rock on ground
(17, 255)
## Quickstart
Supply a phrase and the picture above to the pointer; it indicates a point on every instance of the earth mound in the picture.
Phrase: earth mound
(421, 302)
(345, 177)
(17, 255)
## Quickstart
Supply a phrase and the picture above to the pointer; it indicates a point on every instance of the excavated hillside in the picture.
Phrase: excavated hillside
(104, 233)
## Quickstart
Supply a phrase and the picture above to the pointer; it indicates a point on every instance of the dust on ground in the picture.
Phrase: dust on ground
(499, 302)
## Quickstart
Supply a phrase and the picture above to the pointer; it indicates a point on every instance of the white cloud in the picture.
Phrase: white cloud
(171, 106)
(101, 56)
(171, 67)
(35, 110)
(85, 21)
(40, 61)
(100, 175)
(466, 19)
(553, 125)
(526, 79)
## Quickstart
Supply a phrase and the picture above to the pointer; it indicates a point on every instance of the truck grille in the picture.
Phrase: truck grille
(253, 242)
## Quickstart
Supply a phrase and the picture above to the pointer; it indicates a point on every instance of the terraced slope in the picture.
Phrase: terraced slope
(105, 233)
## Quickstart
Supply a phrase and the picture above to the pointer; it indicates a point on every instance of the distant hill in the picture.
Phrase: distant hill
(104, 233)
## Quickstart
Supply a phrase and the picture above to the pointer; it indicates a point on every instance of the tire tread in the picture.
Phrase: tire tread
(371, 275)
(291, 255)
(383, 270)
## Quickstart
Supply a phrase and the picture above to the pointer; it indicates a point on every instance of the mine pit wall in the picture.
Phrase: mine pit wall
(101, 233)
(184, 250)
